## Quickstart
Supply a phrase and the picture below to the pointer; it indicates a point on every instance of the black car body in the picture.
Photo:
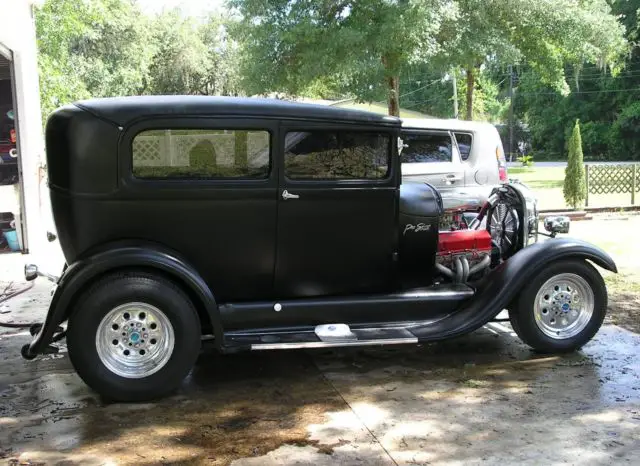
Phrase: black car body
(268, 224)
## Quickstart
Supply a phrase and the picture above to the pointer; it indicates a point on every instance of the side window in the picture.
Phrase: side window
(201, 154)
(424, 148)
(336, 155)
(464, 141)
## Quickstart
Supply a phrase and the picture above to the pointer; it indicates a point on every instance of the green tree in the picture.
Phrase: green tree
(574, 189)
(362, 46)
(90, 49)
(180, 61)
(222, 76)
(193, 56)
(545, 34)
(603, 101)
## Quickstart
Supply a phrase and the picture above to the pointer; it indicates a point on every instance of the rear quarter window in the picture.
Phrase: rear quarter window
(425, 148)
(464, 141)
(201, 154)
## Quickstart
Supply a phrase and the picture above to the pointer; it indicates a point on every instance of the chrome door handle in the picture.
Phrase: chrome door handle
(451, 178)
(287, 195)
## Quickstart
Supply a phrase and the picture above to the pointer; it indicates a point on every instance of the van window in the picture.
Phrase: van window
(336, 155)
(201, 154)
(464, 141)
(423, 148)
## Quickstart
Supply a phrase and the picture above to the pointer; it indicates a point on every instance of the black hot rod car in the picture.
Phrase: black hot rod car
(263, 224)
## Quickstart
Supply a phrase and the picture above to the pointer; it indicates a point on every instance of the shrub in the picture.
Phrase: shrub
(526, 160)
(574, 189)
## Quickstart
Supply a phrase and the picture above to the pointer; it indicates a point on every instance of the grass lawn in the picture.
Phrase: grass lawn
(547, 183)
(616, 234)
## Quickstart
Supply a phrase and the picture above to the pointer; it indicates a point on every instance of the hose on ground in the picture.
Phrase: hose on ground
(13, 294)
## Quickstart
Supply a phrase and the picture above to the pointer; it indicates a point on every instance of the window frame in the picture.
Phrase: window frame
(309, 127)
(128, 180)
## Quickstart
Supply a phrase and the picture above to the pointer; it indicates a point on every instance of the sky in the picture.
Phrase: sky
(189, 7)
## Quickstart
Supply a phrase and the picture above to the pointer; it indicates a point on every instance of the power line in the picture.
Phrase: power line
(581, 92)
(606, 77)
(419, 89)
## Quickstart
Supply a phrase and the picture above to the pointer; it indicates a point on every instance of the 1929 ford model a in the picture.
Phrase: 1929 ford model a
(274, 225)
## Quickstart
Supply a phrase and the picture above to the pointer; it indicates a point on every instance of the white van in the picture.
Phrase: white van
(462, 159)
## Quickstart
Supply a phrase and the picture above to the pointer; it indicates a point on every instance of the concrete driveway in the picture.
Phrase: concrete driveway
(481, 399)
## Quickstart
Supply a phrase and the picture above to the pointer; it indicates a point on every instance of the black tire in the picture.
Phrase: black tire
(111, 292)
(522, 315)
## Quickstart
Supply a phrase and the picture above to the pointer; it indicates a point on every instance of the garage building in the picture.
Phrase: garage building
(21, 139)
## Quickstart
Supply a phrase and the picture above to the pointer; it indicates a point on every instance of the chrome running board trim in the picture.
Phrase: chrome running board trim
(330, 344)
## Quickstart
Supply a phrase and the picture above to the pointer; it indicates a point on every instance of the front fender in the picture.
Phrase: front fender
(116, 257)
(498, 290)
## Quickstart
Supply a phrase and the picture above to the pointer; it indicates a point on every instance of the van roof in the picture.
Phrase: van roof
(445, 124)
(123, 110)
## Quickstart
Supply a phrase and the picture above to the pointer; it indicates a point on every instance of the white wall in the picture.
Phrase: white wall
(18, 34)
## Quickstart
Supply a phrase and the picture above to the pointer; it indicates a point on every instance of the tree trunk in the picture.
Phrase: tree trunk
(471, 81)
(393, 82)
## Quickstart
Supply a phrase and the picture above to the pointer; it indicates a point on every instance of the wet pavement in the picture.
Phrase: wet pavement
(482, 399)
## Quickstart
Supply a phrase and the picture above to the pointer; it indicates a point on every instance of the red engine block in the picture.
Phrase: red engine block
(464, 240)
(473, 244)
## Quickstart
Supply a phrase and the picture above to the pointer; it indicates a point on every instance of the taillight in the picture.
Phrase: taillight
(502, 164)
(502, 172)
(12, 136)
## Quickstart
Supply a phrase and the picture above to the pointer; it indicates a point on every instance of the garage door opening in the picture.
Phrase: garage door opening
(11, 191)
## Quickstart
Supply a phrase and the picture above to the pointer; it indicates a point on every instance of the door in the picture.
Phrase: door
(206, 188)
(432, 157)
(337, 211)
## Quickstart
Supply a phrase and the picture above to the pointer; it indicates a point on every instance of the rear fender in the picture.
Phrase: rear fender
(498, 290)
(119, 256)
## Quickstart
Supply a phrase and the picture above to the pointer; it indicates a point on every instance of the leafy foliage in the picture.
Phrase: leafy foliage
(546, 34)
(526, 160)
(192, 57)
(567, 57)
(603, 101)
(574, 188)
(90, 48)
(366, 47)
(363, 45)
(99, 48)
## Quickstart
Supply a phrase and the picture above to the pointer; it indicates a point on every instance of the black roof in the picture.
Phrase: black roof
(124, 110)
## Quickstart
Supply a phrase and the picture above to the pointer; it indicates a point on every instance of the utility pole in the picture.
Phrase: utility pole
(510, 113)
(455, 93)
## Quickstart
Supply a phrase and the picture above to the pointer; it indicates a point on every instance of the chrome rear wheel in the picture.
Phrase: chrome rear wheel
(133, 336)
(135, 340)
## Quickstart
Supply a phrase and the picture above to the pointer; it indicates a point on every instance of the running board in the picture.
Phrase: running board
(333, 335)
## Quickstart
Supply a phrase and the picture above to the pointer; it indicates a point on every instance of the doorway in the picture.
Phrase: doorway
(12, 233)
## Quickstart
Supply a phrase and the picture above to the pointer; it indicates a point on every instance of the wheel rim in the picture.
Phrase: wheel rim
(135, 340)
(564, 306)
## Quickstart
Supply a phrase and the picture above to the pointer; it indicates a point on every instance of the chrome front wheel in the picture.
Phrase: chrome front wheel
(135, 340)
(563, 306)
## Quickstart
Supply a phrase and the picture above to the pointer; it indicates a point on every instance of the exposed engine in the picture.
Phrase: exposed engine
(478, 238)
(463, 253)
